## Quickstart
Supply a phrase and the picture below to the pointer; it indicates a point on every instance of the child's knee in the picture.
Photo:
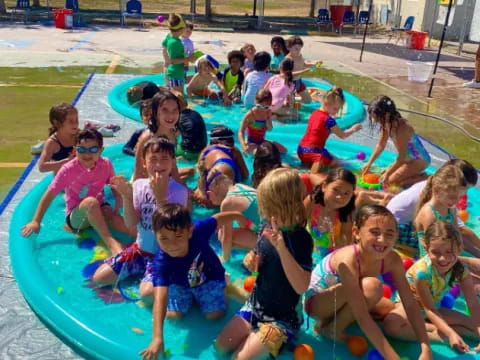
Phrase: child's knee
(174, 315)
(89, 203)
(372, 289)
(146, 290)
(393, 324)
(214, 315)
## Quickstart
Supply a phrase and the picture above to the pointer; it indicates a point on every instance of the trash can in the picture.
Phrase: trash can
(417, 39)
(419, 71)
(337, 12)
(63, 18)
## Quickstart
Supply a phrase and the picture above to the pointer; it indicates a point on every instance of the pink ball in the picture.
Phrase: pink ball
(160, 18)
(455, 291)
(361, 156)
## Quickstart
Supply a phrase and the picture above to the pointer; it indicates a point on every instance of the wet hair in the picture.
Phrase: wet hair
(189, 25)
(337, 173)
(204, 61)
(263, 95)
(261, 61)
(58, 114)
(294, 40)
(158, 144)
(286, 66)
(367, 211)
(141, 91)
(468, 170)
(386, 113)
(145, 105)
(173, 21)
(281, 41)
(446, 179)
(267, 158)
(172, 217)
(89, 134)
(280, 194)
(334, 95)
(236, 54)
(158, 101)
(447, 232)
(222, 135)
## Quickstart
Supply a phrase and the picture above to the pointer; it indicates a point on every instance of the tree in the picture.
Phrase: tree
(312, 8)
(208, 8)
(3, 8)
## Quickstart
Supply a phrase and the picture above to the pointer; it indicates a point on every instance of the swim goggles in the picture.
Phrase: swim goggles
(83, 149)
(262, 107)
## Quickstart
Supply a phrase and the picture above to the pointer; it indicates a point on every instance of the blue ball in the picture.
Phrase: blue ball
(448, 301)
(375, 355)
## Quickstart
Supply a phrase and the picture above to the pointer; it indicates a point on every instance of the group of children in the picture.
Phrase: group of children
(315, 241)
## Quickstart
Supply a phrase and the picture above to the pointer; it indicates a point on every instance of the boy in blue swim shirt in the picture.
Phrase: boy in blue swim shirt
(185, 269)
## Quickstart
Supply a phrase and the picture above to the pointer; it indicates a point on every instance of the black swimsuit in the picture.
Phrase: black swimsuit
(64, 151)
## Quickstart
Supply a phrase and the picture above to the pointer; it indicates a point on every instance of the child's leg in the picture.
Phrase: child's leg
(243, 238)
(318, 167)
(461, 323)
(306, 98)
(252, 348)
(210, 297)
(104, 275)
(186, 172)
(89, 212)
(146, 292)
(408, 174)
(364, 197)
(233, 335)
(324, 304)
(116, 222)
(180, 300)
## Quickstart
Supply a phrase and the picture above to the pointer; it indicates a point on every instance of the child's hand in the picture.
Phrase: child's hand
(154, 349)
(357, 127)
(122, 186)
(457, 343)
(31, 227)
(159, 185)
(227, 101)
(477, 348)
(365, 169)
(250, 261)
(274, 235)
(245, 149)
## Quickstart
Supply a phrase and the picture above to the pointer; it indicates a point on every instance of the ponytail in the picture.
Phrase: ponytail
(286, 66)
(457, 273)
(425, 196)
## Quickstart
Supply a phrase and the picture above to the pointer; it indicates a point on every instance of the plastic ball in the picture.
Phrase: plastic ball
(374, 355)
(357, 345)
(249, 282)
(160, 18)
(407, 262)
(371, 178)
(303, 352)
(463, 215)
(455, 291)
(448, 301)
(388, 279)
(361, 156)
(387, 291)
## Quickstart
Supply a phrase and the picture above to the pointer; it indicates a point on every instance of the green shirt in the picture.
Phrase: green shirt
(276, 60)
(175, 50)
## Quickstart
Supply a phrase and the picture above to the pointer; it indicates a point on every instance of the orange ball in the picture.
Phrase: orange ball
(357, 345)
(463, 215)
(371, 178)
(249, 282)
(303, 352)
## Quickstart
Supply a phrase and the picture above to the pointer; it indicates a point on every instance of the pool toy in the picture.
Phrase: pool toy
(361, 156)
(448, 301)
(160, 18)
(463, 215)
(197, 54)
(374, 354)
(303, 352)
(137, 330)
(407, 262)
(249, 283)
(369, 181)
(357, 345)
(387, 291)
(215, 64)
(455, 291)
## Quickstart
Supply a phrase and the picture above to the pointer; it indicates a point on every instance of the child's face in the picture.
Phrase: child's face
(264, 105)
(332, 107)
(249, 52)
(70, 125)
(174, 242)
(168, 114)
(295, 50)
(450, 198)
(337, 194)
(146, 115)
(277, 48)
(158, 162)
(377, 235)
(443, 254)
(88, 151)
(235, 65)
(187, 32)
(205, 68)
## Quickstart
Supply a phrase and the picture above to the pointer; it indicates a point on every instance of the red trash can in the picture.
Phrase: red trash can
(417, 39)
(336, 13)
(68, 18)
(63, 18)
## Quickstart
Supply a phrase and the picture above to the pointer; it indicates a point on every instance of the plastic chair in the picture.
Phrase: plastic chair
(363, 19)
(323, 18)
(400, 31)
(22, 6)
(133, 9)
(71, 4)
(348, 19)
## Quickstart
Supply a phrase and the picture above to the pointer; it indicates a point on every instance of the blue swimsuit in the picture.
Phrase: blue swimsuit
(227, 161)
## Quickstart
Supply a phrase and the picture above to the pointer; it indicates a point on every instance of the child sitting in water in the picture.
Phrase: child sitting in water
(185, 269)
(194, 135)
(145, 114)
(233, 76)
(58, 148)
(83, 180)
(140, 201)
(142, 91)
(412, 157)
(199, 83)
(281, 86)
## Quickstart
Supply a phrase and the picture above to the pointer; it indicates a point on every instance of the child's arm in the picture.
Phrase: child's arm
(344, 134)
(227, 217)
(466, 286)
(160, 295)
(226, 100)
(191, 85)
(268, 121)
(45, 163)
(34, 225)
(298, 277)
(300, 72)
(241, 131)
(382, 142)
(228, 204)
(139, 171)
(124, 188)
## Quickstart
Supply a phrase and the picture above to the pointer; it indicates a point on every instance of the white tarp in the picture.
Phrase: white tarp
(475, 27)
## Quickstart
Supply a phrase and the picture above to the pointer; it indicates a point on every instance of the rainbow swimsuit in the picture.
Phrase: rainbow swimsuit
(256, 132)
(323, 242)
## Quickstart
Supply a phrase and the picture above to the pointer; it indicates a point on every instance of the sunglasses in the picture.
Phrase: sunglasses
(263, 107)
(83, 149)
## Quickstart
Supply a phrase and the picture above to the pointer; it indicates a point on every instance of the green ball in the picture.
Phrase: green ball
(404, 358)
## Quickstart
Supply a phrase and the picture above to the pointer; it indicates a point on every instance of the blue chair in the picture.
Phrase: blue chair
(323, 18)
(71, 4)
(22, 6)
(363, 19)
(348, 19)
(133, 9)
(399, 32)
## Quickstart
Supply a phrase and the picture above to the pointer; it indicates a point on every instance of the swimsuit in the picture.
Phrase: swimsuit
(450, 218)
(305, 176)
(323, 242)
(256, 132)
(251, 212)
(226, 161)
(64, 151)
(416, 150)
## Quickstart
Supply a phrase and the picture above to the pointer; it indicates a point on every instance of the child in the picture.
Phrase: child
(185, 269)
(430, 279)
(256, 79)
(294, 47)
(145, 114)
(329, 211)
(199, 83)
(248, 51)
(174, 54)
(194, 135)
(438, 199)
(311, 149)
(233, 76)
(269, 319)
(142, 91)
(58, 148)
(257, 121)
(344, 287)
(267, 158)
(281, 86)
(188, 46)
(279, 49)
(83, 180)
(412, 157)
(139, 203)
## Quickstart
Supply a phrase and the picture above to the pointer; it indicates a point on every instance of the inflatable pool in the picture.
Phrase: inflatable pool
(353, 111)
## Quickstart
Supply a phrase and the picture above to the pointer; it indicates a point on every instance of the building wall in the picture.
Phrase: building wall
(413, 8)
